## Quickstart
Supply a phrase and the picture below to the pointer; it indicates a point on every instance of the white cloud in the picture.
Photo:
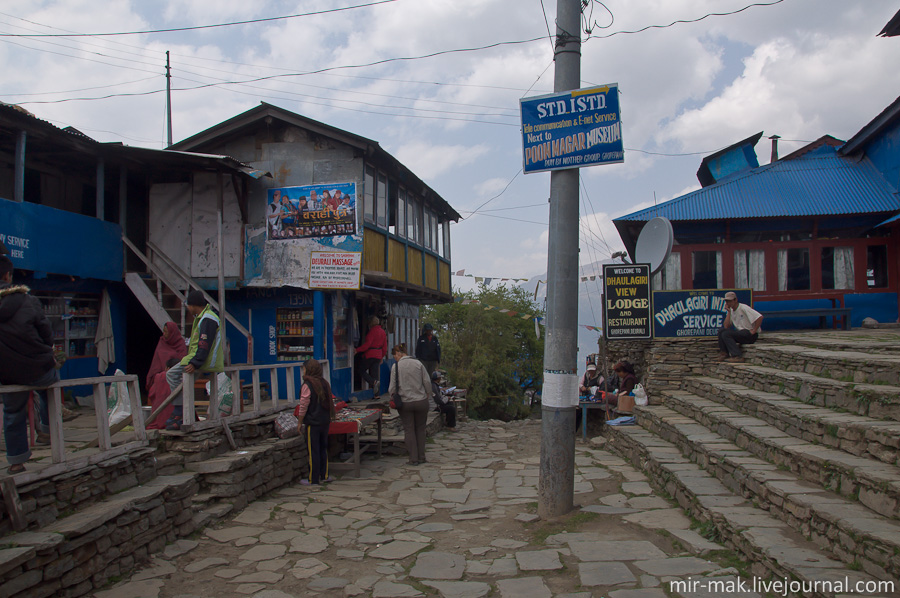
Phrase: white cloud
(429, 161)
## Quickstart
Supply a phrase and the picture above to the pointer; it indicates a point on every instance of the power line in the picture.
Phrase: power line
(685, 21)
(199, 27)
(475, 211)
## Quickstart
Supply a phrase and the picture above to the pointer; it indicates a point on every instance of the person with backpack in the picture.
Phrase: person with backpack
(316, 412)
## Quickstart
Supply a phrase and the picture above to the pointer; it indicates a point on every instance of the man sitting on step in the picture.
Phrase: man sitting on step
(742, 324)
(205, 351)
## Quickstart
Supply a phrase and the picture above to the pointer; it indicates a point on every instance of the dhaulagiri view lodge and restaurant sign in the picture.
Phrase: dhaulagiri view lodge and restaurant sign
(572, 129)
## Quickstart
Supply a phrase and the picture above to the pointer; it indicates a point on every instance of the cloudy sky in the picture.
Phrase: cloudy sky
(796, 68)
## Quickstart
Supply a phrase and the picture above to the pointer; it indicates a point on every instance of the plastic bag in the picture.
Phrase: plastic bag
(640, 395)
(286, 425)
(118, 407)
(226, 395)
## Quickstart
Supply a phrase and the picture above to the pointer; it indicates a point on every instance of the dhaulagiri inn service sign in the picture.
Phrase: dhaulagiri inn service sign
(572, 129)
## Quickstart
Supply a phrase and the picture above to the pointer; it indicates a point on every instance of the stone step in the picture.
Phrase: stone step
(879, 401)
(855, 434)
(874, 484)
(852, 532)
(850, 366)
(868, 341)
(83, 551)
(769, 545)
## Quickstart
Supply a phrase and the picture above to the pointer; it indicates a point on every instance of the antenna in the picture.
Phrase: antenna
(654, 244)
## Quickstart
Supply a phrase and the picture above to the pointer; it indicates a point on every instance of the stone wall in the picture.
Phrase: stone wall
(80, 553)
(663, 363)
(44, 500)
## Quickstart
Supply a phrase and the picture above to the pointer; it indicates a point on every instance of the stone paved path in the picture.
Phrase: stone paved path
(461, 526)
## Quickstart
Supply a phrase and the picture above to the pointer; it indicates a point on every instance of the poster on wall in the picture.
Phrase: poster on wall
(627, 307)
(335, 269)
(692, 314)
(311, 211)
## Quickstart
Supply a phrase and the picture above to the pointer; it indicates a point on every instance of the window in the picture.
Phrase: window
(837, 268)
(669, 276)
(434, 233)
(415, 216)
(369, 195)
(876, 266)
(750, 269)
(707, 270)
(381, 202)
(410, 218)
(446, 249)
(793, 269)
(401, 213)
(428, 229)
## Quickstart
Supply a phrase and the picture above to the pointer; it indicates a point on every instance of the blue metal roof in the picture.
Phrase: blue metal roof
(816, 183)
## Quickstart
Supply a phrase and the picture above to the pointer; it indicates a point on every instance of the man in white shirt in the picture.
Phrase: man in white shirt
(742, 324)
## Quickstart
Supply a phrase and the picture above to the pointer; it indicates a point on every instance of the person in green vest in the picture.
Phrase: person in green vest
(206, 352)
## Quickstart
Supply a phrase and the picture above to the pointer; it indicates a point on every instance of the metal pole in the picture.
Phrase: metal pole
(556, 487)
(220, 225)
(169, 98)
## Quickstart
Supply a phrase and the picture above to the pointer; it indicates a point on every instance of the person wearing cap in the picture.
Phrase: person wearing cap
(443, 403)
(741, 327)
(205, 351)
(591, 378)
(428, 349)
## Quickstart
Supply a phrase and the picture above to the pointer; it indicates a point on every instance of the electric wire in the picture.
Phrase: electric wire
(200, 27)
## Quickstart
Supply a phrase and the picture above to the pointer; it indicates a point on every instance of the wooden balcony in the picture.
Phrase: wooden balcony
(393, 263)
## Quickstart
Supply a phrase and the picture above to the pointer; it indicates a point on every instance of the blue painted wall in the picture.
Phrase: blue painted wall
(884, 153)
(880, 306)
(44, 239)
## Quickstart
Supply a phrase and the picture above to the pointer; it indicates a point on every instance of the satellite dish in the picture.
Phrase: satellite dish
(654, 244)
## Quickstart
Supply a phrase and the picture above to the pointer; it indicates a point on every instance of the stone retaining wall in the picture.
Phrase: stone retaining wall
(44, 500)
(662, 364)
(80, 553)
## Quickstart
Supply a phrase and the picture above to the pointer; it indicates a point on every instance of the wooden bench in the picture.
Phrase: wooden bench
(821, 312)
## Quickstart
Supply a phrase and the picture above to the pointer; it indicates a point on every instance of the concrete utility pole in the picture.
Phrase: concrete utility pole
(560, 394)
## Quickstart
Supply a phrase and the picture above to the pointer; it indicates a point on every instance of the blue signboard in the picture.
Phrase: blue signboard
(44, 239)
(694, 313)
(572, 129)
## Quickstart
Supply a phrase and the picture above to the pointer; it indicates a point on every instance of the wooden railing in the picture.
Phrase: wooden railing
(280, 397)
(62, 461)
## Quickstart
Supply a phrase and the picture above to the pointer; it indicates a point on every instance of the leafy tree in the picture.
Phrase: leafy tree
(497, 357)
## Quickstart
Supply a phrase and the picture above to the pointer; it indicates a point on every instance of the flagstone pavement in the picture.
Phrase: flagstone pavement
(462, 525)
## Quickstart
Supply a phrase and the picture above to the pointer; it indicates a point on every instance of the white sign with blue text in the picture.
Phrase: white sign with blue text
(572, 129)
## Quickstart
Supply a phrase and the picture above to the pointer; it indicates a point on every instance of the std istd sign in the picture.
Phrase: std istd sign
(572, 129)
(626, 310)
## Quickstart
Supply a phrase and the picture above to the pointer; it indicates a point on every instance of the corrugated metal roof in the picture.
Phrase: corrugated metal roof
(818, 183)
(890, 220)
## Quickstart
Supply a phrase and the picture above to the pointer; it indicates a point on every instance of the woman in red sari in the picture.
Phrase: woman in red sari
(170, 346)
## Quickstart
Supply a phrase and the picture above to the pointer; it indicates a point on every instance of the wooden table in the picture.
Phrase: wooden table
(351, 422)
(585, 406)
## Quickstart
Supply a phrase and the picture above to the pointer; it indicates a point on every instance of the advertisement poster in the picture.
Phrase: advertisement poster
(692, 314)
(572, 129)
(311, 211)
(335, 269)
(627, 305)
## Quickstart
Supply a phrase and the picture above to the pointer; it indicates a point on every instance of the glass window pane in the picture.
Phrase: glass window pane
(706, 270)
(446, 251)
(876, 266)
(401, 213)
(381, 202)
(793, 269)
(369, 195)
(410, 218)
(427, 231)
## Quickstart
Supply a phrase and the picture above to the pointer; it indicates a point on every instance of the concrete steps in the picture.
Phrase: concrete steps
(851, 366)
(874, 484)
(770, 545)
(881, 401)
(846, 528)
(855, 434)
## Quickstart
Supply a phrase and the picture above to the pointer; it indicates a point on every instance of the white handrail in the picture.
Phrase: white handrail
(54, 405)
(279, 400)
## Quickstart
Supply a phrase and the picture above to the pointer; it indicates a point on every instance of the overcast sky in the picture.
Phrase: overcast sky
(798, 68)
